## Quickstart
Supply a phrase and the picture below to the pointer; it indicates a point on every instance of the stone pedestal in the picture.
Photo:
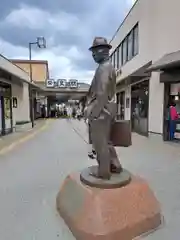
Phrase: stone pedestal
(93, 213)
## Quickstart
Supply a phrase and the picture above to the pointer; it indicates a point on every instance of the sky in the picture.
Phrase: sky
(69, 27)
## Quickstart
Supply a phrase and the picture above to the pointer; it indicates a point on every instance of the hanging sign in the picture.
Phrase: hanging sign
(62, 83)
(14, 102)
(175, 89)
(50, 83)
(72, 83)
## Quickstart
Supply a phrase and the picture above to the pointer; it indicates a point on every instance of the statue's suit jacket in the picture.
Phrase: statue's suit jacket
(101, 95)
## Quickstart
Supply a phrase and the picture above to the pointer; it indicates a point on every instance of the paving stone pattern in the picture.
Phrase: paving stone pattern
(31, 174)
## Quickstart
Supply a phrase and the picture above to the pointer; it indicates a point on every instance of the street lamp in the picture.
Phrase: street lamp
(41, 43)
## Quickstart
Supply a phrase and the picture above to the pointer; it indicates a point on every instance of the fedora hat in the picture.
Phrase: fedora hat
(100, 41)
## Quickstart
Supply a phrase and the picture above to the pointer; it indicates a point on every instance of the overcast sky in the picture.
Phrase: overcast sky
(69, 27)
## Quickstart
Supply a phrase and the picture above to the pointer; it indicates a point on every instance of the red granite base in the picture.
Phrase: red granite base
(108, 214)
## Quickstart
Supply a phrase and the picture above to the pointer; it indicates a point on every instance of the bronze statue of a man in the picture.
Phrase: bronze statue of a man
(100, 110)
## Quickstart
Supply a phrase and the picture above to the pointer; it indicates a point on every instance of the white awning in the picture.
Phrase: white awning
(168, 61)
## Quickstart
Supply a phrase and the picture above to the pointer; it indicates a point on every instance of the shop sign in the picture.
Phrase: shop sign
(62, 83)
(14, 102)
(175, 89)
(2, 90)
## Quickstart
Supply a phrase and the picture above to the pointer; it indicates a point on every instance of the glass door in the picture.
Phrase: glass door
(8, 123)
(7, 113)
(121, 105)
(140, 107)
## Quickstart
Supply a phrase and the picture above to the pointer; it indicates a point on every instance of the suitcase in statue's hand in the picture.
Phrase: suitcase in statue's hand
(121, 133)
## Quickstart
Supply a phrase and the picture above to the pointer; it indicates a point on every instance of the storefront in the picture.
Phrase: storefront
(171, 94)
(6, 123)
(169, 74)
(140, 107)
(175, 95)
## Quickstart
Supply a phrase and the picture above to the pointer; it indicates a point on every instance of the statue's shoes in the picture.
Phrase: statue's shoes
(115, 169)
(91, 155)
(94, 152)
(104, 177)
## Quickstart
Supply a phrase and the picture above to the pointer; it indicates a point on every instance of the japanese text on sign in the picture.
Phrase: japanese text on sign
(62, 83)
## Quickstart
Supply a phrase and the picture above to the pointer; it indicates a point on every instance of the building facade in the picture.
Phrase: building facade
(146, 53)
(14, 96)
(40, 74)
(53, 92)
(40, 69)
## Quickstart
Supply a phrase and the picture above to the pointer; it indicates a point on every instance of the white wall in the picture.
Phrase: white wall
(21, 113)
(158, 35)
(156, 101)
(139, 14)
(165, 38)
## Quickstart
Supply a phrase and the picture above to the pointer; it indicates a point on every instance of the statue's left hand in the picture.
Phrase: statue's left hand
(85, 112)
(94, 115)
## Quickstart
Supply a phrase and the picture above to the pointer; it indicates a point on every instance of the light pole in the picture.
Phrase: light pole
(41, 43)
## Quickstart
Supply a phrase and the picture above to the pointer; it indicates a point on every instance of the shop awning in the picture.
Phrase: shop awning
(136, 76)
(141, 72)
(168, 61)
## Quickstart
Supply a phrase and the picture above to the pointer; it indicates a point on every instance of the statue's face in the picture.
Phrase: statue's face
(99, 54)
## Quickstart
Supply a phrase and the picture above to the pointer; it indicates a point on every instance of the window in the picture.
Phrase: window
(127, 49)
(130, 45)
(120, 55)
(124, 51)
(110, 58)
(135, 40)
(115, 59)
(117, 56)
(113, 62)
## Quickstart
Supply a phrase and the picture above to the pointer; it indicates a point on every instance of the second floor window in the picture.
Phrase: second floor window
(127, 49)
(116, 59)
(113, 60)
(117, 56)
(124, 51)
(120, 55)
(135, 40)
(130, 45)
